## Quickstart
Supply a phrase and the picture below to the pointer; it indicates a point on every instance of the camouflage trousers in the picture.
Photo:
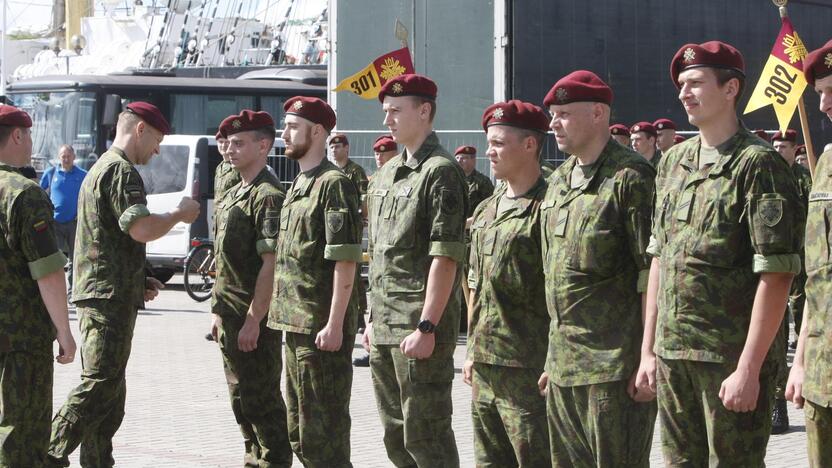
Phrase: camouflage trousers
(318, 390)
(94, 409)
(509, 417)
(253, 380)
(697, 429)
(819, 434)
(414, 402)
(599, 425)
(25, 407)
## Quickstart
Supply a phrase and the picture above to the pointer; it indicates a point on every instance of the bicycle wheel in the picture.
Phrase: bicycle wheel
(199, 272)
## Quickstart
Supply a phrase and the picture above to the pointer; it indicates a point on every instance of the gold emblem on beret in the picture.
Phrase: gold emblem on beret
(236, 123)
(827, 60)
(561, 94)
(498, 114)
(297, 105)
(382, 149)
(636, 129)
(397, 88)
(690, 54)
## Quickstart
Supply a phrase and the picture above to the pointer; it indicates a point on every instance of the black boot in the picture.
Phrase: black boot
(363, 361)
(780, 417)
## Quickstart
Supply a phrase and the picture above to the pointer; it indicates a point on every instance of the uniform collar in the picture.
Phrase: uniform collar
(120, 152)
(428, 146)
(726, 152)
(244, 190)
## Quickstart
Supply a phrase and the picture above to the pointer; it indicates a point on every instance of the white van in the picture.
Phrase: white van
(185, 166)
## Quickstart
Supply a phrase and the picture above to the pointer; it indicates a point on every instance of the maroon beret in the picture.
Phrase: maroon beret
(711, 54)
(664, 124)
(151, 115)
(579, 86)
(384, 143)
(619, 129)
(339, 138)
(312, 109)
(789, 135)
(224, 124)
(13, 117)
(246, 121)
(515, 113)
(465, 149)
(219, 135)
(801, 149)
(762, 134)
(409, 85)
(678, 139)
(645, 127)
(818, 64)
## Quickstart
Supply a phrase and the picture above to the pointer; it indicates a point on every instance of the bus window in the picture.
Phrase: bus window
(167, 172)
(199, 114)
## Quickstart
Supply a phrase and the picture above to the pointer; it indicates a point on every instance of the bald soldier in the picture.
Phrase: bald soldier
(596, 226)
(786, 144)
(507, 294)
(725, 245)
(114, 224)
(315, 292)
(643, 140)
(665, 134)
(244, 241)
(32, 300)
(621, 134)
(810, 380)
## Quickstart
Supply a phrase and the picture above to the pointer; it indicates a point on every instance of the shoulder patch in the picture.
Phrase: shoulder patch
(335, 221)
(770, 211)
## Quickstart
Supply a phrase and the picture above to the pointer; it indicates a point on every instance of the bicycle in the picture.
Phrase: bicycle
(200, 270)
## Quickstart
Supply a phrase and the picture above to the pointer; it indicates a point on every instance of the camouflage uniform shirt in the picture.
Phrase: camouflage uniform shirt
(29, 251)
(595, 238)
(109, 264)
(479, 188)
(417, 211)
(319, 225)
(357, 175)
(509, 320)
(246, 228)
(715, 230)
(225, 177)
(817, 386)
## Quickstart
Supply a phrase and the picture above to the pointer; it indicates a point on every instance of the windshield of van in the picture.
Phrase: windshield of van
(167, 172)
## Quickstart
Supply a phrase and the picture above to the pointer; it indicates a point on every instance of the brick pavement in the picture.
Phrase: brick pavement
(178, 413)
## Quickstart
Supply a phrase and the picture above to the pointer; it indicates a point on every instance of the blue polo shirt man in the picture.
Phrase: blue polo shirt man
(63, 183)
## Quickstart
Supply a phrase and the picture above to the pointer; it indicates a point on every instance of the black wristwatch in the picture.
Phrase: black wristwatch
(426, 326)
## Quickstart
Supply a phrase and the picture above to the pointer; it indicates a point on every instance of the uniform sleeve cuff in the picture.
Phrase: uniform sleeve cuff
(641, 285)
(653, 247)
(265, 246)
(343, 253)
(786, 263)
(130, 215)
(43, 266)
(452, 250)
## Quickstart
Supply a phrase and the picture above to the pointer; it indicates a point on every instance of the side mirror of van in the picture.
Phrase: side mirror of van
(112, 108)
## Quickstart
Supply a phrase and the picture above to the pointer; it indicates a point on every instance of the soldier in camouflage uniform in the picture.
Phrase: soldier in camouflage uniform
(643, 140)
(810, 380)
(725, 243)
(246, 229)
(621, 134)
(509, 303)
(225, 176)
(665, 136)
(417, 220)
(314, 299)
(786, 144)
(595, 227)
(32, 301)
(114, 225)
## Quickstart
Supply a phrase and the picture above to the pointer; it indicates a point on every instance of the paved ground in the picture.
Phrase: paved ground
(178, 413)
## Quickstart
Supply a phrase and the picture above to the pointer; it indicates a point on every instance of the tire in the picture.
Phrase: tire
(199, 273)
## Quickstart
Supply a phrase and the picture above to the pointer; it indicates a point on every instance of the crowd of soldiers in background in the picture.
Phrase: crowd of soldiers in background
(619, 287)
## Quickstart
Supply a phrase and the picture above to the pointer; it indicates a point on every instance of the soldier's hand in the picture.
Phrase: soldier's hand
(216, 321)
(188, 210)
(418, 345)
(542, 383)
(151, 288)
(740, 390)
(467, 371)
(330, 338)
(248, 335)
(642, 385)
(794, 387)
(366, 341)
(66, 347)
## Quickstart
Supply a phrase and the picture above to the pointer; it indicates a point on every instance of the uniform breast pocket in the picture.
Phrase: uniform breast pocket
(598, 248)
(818, 234)
(401, 216)
(304, 233)
(720, 239)
(237, 228)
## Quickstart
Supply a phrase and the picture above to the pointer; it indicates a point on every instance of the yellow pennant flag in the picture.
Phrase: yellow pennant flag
(781, 83)
(368, 82)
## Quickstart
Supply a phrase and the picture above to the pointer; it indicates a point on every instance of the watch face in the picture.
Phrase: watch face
(426, 327)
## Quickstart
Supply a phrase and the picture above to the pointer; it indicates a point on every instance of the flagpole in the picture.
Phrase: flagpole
(801, 108)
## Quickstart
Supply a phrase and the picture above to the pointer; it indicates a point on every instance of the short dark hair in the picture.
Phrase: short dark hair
(724, 75)
(524, 133)
(5, 133)
(265, 133)
(420, 100)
